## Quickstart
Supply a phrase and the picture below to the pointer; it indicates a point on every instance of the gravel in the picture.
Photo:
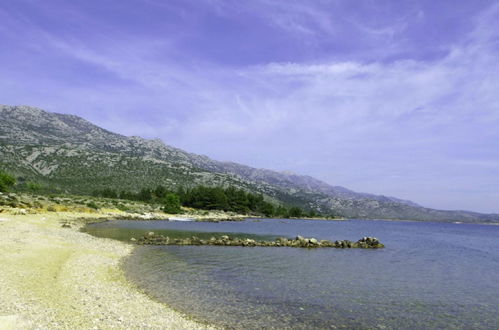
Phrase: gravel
(59, 278)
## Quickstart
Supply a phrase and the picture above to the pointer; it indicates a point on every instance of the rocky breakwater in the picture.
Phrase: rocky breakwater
(299, 242)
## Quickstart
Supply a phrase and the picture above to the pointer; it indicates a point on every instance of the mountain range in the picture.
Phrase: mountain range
(67, 153)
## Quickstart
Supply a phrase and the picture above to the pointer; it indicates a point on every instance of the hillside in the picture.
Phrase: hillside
(69, 154)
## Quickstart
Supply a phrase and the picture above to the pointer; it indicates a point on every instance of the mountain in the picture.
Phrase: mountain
(67, 153)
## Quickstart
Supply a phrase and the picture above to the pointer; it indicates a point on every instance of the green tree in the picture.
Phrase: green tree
(144, 195)
(282, 212)
(295, 212)
(312, 214)
(171, 204)
(267, 209)
(217, 199)
(237, 200)
(255, 202)
(160, 192)
(182, 194)
(6, 181)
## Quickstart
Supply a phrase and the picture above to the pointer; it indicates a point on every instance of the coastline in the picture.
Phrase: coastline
(55, 277)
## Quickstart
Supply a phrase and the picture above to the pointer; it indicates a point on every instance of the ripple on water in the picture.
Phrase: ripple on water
(429, 276)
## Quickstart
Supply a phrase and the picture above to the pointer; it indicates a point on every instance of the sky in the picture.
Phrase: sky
(399, 98)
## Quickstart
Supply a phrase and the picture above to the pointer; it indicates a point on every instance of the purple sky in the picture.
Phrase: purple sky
(393, 97)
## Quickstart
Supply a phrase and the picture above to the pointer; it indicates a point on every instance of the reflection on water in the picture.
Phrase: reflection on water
(125, 230)
(428, 276)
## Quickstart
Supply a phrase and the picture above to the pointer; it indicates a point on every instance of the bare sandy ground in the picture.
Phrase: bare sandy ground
(59, 278)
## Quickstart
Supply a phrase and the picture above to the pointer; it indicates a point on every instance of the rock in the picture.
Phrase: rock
(225, 240)
(249, 242)
(21, 212)
(133, 239)
(195, 240)
(147, 216)
(66, 225)
(368, 243)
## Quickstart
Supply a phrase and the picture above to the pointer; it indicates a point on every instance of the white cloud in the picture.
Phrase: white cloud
(398, 128)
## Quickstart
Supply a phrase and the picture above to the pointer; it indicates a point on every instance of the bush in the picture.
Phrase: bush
(6, 181)
(33, 186)
(171, 204)
(92, 205)
(122, 207)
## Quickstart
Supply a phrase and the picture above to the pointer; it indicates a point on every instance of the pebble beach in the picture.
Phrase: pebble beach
(54, 277)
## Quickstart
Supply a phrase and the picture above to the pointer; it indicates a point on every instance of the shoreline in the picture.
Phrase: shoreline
(55, 277)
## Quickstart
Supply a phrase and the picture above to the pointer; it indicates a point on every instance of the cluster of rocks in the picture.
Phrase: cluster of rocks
(221, 218)
(299, 242)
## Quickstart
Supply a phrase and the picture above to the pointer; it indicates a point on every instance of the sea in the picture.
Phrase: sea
(428, 276)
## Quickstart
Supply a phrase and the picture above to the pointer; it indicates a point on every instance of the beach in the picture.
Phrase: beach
(57, 277)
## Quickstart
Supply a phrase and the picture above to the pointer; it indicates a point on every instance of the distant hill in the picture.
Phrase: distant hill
(69, 154)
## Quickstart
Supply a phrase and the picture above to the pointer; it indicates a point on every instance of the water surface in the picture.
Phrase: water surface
(430, 275)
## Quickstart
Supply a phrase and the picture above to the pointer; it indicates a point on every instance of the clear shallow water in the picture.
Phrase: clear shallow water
(430, 275)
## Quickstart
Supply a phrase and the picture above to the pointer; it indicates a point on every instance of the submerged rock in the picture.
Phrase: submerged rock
(225, 240)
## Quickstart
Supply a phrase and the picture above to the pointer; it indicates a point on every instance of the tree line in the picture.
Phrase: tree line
(208, 198)
(200, 197)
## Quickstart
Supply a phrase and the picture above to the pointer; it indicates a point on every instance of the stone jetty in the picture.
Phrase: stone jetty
(299, 242)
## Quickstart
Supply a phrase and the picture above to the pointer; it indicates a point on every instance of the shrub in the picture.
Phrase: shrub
(6, 181)
(171, 204)
(122, 207)
(33, 186)
(92, 205)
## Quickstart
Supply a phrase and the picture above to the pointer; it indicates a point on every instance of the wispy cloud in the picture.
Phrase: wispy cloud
(416, 127)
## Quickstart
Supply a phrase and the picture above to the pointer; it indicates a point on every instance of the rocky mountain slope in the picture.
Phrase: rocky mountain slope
(67, 153)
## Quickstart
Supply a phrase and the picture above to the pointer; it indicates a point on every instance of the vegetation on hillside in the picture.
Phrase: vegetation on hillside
(228, 199)
(55, 154)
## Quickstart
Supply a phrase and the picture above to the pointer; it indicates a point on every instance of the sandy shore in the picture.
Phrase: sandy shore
(53, 277)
